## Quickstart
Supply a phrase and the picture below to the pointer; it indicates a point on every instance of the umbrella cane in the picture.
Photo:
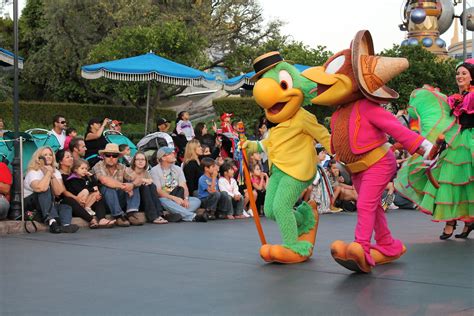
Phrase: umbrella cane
(248, 183)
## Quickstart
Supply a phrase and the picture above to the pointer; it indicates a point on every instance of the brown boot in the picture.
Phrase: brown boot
(122, 222)
(135, 219)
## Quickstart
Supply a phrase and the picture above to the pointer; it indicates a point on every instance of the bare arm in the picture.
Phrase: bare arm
(92, 136)
(4, 188)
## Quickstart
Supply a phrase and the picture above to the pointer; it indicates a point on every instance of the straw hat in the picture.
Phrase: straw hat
(373, 72)
(110, 148)
(264, 62)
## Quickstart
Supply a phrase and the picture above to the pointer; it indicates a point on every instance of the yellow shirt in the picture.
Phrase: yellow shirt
(290, 146)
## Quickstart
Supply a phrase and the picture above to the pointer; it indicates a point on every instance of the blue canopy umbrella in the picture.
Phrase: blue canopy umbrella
(149, 67)
(6, 58)
(239, 81)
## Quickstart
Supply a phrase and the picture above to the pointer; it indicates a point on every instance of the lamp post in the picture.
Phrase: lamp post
(16, 198)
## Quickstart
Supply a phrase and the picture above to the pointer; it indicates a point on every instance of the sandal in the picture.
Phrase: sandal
(160, 220)
(106, 223)
(93, 224)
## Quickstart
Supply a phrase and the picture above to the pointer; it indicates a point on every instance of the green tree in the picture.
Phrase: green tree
(425, 68)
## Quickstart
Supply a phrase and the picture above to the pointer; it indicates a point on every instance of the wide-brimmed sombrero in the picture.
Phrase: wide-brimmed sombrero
(373, 72)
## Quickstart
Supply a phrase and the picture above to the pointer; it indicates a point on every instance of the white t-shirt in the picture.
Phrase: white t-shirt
(231, 188)
(34, 175)
(60, 137)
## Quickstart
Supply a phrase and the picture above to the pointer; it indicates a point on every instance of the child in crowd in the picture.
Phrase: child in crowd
(228, 184)
(208, 191)
(125, 152)
(71, 132)
(259, 183)
(81, 184)
(184, 125)
(341, 190)
(206, 150)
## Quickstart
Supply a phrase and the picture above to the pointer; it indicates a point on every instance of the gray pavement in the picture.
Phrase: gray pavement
(214, 269)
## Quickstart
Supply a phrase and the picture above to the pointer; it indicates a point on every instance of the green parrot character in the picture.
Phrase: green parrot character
(281, 91)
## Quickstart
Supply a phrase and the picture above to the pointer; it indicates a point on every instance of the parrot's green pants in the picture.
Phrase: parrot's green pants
(283, 192)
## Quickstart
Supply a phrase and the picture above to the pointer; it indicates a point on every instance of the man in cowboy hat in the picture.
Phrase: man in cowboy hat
(354, 81)
(117, 187)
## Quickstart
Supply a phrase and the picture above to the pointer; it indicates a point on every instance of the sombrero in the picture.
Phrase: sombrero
(373, 72)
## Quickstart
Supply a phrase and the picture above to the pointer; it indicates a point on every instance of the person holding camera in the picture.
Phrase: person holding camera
(42, 184)
(95, 139)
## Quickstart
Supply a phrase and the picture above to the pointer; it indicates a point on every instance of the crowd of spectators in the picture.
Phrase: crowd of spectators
(190, 175)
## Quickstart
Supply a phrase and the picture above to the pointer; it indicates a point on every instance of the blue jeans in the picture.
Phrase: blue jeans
(118, 200)
(187, 213)
(43, 202)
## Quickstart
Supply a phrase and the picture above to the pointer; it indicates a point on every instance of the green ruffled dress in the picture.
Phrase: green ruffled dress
(454, 199)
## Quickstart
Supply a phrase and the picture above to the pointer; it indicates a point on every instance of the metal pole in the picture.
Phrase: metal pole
(17, 202)
(147, 107)
(464, 30)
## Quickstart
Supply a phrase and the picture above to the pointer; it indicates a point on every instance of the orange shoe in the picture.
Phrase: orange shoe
(339, 250)
(281, 254)
(311, 235)
(356, 259)
(265, 253)
(380, 258)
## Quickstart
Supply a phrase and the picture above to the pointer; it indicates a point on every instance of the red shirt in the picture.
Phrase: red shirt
(5, 177)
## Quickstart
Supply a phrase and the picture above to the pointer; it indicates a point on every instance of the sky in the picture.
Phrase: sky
(333, 23)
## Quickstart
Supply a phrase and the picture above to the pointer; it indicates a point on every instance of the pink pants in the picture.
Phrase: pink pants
(370, 185)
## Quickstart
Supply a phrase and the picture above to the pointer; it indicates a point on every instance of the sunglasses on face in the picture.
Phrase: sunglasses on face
(62, 122)
(111, 155)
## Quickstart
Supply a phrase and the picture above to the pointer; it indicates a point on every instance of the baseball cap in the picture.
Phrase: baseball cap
(161, 121)
(163, 151)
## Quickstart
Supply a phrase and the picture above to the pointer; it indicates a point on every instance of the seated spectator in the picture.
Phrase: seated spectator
(42, 184)
(117, 188)
(125, 155)
(192, 166)
(172, 189)
(342, 191)
(163, 126)
(77, 147)
(6, 180)
(59, 129)
(228, 184)
(259, 183)
(71, 132)
(66, 162)
(149, 198)
(208, 191)
(323, 156)
(95, 140)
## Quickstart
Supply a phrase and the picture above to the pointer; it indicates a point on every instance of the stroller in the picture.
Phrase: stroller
(113, 137)
(33, 139)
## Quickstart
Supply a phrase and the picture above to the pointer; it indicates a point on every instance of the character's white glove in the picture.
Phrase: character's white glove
(426, 145)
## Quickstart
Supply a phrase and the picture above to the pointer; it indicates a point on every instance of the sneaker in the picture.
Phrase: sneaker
(245, 214)
(335, 209)
(250, 213)
(200, 218)
(134, 219)
(69, 229)
(122, 222)
(54, 228)
(393, 207)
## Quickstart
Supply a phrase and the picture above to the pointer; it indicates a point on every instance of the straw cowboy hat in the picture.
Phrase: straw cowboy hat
(373, 72)
(266, 61)
(110, 149)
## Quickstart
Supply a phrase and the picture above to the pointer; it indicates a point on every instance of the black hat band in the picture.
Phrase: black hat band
(267, 61)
